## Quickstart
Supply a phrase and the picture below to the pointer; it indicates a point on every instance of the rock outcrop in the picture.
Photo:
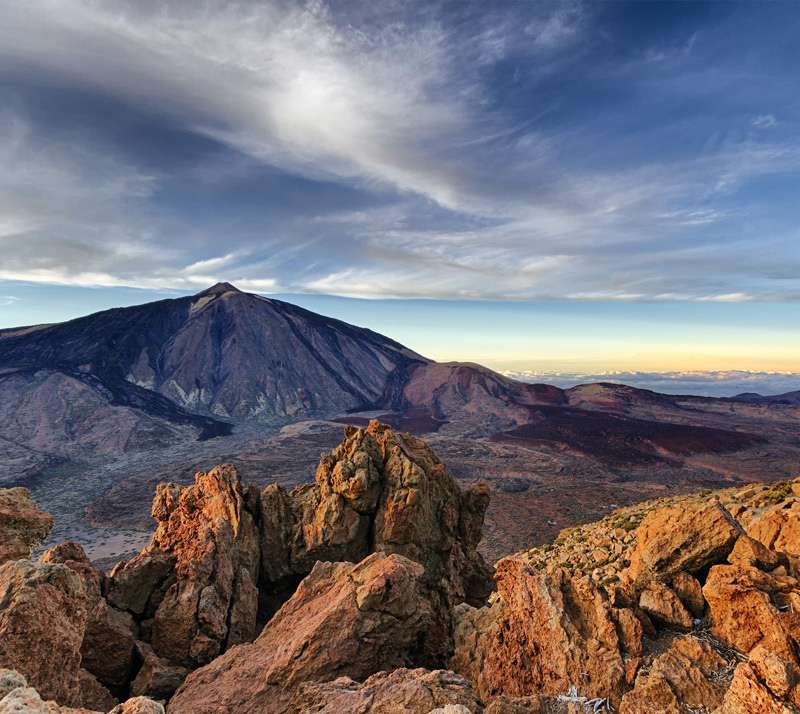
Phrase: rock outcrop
(224, 553)
(548, 632)
(343, 620)
(23, 527)
(195, 587)
(43, 615)
(779, 527)
(379, 491)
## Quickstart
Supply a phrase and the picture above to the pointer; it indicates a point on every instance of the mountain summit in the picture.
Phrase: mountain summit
(221, 353)
(219, 289)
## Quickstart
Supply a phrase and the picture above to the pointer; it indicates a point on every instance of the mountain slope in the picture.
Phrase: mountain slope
(221, 353)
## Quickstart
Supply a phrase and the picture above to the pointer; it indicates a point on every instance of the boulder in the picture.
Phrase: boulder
(747, 695)
(750, 551)
(93, 695)
(548, 631)
(664, 606)
(138, 585)
(43, 616)
(629, 630)
(778, 528)
(780, 676)
(343, 620)
(680, 679)
(748, 607)
(690, 592)
(403, 691)
(156, 677)
(23, 527)
(26, 700)
(10, 679)
(138, 705)
(686, 537)
(108, 642)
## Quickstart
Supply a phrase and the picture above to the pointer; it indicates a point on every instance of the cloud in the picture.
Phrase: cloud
(435, 151)
(6, 300)
(558, 28)
(764, 121)
(703, 383)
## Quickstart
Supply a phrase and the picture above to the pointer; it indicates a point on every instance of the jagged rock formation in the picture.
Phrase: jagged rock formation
(683, 538)
(195, 589)
(195, 586)
(343, 620)
(379, 491)
(690, 564)
(683, 676)
(23, 527)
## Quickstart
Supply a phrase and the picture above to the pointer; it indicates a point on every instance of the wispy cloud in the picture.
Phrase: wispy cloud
(765, 121)
(387, 151)
(6, 300)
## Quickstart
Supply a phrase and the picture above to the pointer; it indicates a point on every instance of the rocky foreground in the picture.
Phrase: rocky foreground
(365, 592)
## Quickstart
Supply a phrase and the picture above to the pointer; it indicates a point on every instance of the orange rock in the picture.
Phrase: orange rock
(779, 527)
(680, 678)
(383, 491)
(108, 642)
(746, 695)
(752, 552)
(779, 675)
(687, 537)
(690, 592)
(403, 691)
(343, 620)
(138, 585)
(208, 530)
(664, 606)
(629, 630)
(23, 527)
(743, 605)
(379, 491)
(43, 615)
(548, 632)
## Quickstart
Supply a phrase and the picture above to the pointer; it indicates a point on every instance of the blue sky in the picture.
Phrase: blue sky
(605, 184)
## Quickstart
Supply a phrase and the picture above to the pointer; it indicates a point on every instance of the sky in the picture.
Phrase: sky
(537, 186)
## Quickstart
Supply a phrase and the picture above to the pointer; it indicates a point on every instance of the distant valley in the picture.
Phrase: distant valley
(95, 411)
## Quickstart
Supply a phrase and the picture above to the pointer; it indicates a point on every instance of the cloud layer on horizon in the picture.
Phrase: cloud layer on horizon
(714, 383)
(446, 150)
